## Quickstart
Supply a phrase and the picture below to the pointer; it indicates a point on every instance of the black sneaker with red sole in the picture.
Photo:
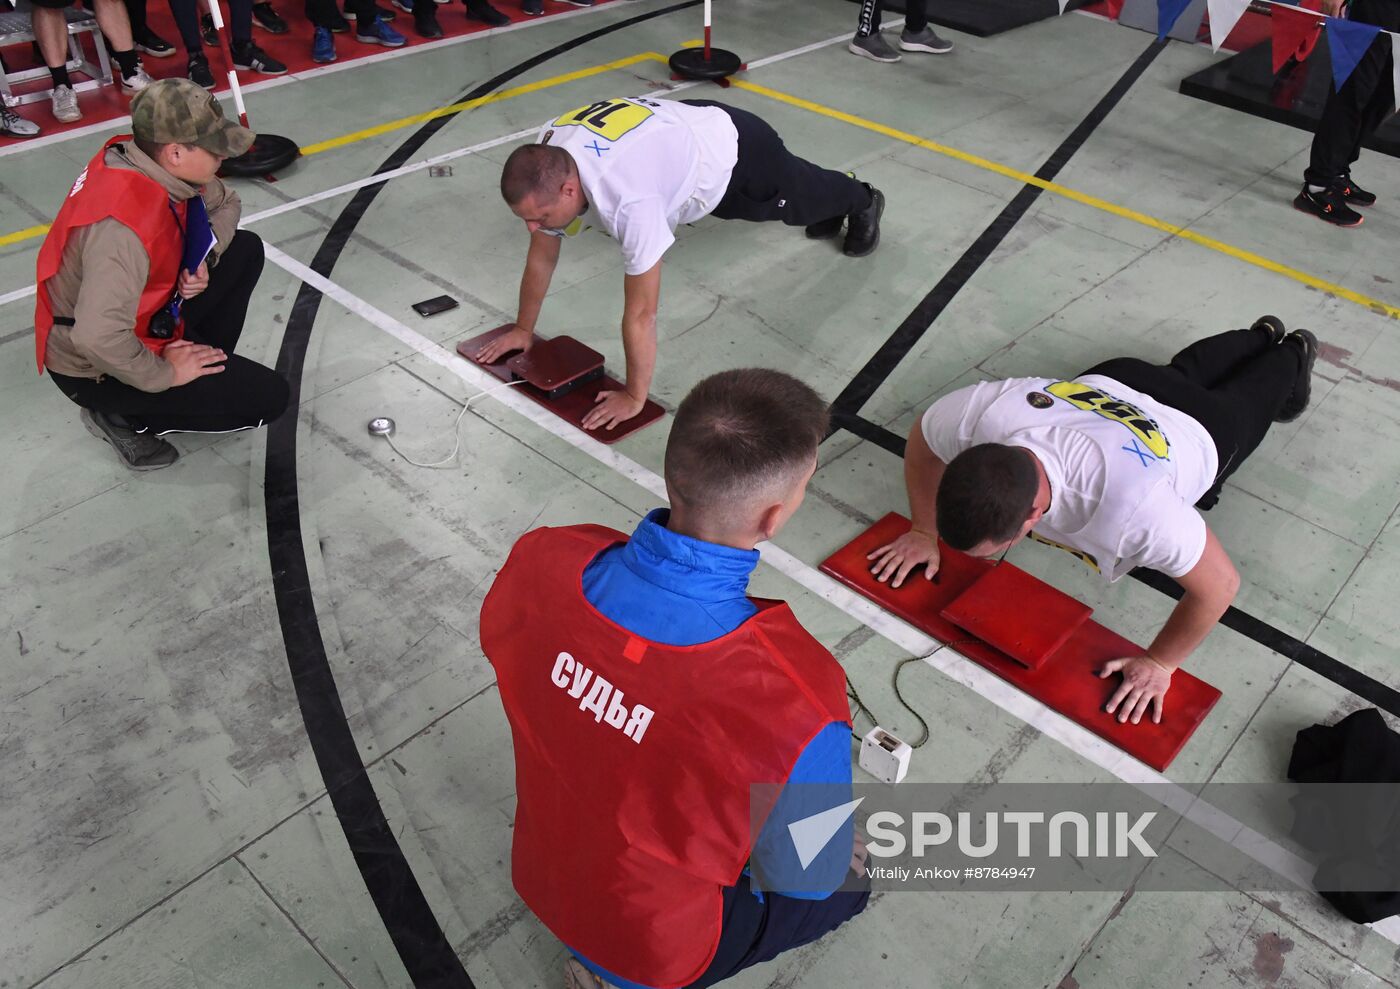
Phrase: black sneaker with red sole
(1356, 195)
(1329, 205)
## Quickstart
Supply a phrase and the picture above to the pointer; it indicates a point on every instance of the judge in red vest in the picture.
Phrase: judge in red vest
(651, 701)
(129, 321)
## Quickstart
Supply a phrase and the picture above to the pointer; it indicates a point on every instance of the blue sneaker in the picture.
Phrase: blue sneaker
(323, 46)
(380, 34)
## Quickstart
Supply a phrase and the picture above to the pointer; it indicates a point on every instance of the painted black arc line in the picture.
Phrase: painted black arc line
(883, 362)
(1373, 691)
(407, 916)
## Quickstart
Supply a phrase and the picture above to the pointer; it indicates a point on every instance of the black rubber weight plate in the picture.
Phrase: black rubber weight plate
(690, 63)
(268, 153)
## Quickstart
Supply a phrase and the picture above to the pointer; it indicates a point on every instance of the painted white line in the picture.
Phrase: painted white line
(957, 667)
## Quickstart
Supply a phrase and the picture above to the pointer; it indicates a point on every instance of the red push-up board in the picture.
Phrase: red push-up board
(1042, 619)
(1067, 682)
(564, 360)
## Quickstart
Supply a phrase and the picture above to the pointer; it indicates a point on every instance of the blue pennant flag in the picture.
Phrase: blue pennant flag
(1348, 41)
(1168, 11)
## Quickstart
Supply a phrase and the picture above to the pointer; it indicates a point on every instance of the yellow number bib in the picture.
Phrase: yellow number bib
(609, 119)
(1125, 414)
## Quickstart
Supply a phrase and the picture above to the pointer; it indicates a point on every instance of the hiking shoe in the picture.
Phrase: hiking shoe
(380, 33)
(480, 10)
(1302, 389)
(1329, 205)
(873, 46)
(924, 41)
(863, 227)
(250, 57)
(198, 71)
(826, 229)
(207, 31)
(425, 22)
(532, 7)
(139, 451)
(1273, 326)
(1356, 195)
(137, 81)
(268, 19)
(154, 45)
(323, 46)
(65, 105)
(14, 125)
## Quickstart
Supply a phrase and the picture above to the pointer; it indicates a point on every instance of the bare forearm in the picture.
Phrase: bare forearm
(639, 344)
(922, 473)
(534, 284)
(1190, 622)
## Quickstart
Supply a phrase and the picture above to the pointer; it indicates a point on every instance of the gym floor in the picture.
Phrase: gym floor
(163, 819)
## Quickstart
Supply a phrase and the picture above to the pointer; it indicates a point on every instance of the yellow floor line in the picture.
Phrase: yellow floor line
(26, 234)
(1238, 253)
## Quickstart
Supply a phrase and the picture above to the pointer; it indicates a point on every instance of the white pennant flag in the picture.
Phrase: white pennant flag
(1063, 5)
(1224, 15)
(1395, 47)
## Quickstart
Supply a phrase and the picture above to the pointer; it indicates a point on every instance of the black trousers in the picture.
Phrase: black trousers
(1353, 113)
(243, 395)
(769, 182)
(755, 932)
(1233, 384)
(915, 16)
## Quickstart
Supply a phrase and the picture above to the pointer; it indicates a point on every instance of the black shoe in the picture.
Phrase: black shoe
(207, 32)
(1302, 389)
(154, 45)
(863, 227)
(250, 57)
(480, 10)
(1356, 195)
(826, 229)
(1329, 205)
(198, 71)
(380, 13)
(139, 451)
(532, 7)
(268, 19)
(1273, 326)
(425, 22)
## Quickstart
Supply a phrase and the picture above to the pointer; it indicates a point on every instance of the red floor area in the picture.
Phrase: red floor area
(292, 48)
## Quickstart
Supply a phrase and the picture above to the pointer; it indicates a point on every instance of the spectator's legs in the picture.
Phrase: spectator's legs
(915, 16)
(186, 16)
(869, 20)
(216, 315)
(240, 21)
(51, 34)
(136, 17)
(112, 19)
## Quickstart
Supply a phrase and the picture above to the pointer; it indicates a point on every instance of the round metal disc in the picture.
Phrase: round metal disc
(690, 63)
(268, 153)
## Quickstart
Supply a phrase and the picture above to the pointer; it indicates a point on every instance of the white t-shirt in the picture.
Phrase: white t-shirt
(646, 166)
(1125, 470)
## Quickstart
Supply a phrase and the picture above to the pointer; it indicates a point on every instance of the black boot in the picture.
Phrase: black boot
(425, 21)
(863, 226)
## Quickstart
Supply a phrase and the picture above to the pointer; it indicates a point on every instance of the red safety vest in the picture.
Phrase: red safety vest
(141, 204)
(634, 760)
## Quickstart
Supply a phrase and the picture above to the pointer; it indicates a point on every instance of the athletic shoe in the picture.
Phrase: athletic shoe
(380, 13)
(578, 977)
(65, 105)
(581, 3)
(1329, 205)
(924, 41)
(380, 33)
(137, 81)
(198, 71)
(323, 46)
(139, 451)
(337, 23)
(154, 45)
(480, 10)
(873, 46)
(863, 227)
(14, 125)
(826, 229)
(250, 57)
(405, 5)
(268, 19)
(1356, 195)
(207, 31)
(532, 7)
(1273, 326)
(1302, 389)
(425, 22)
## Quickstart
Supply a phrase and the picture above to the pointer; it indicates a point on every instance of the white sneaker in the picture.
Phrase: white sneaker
(16, 126)
(65, 105)
(137, 81)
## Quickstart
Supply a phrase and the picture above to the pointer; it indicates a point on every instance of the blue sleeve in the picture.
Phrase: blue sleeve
(820, 780)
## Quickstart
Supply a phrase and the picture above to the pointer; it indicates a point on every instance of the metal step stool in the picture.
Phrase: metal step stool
(15, 28)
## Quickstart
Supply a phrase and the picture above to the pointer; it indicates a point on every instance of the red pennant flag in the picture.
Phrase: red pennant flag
(1115, 7)
(1294, 34)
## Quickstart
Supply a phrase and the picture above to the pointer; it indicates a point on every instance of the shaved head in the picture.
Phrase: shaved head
(535, 170)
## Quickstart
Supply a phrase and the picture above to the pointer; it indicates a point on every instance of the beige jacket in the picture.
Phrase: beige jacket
(100, 279)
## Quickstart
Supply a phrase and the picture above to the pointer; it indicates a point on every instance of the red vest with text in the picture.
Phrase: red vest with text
(139, 203)
(634, 760)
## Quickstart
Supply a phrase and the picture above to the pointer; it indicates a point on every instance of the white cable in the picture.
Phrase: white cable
(456, 427)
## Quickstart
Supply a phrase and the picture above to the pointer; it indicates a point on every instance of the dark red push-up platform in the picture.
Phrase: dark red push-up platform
(563, 375)
(1027, 616)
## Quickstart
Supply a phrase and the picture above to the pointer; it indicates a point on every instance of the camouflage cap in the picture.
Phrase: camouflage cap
(177, 111)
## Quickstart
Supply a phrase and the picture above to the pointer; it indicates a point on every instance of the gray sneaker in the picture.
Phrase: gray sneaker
(925, 41)
(873, 46)
(65, 105)
(14, 125)
(139, 451)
